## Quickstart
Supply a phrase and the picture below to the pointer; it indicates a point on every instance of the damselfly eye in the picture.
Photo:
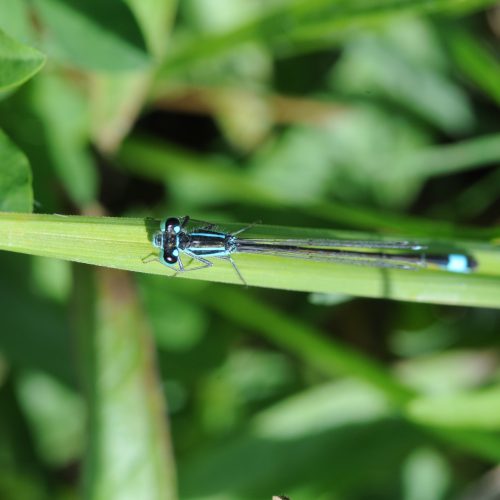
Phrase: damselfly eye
(171, 255)
(172, 224)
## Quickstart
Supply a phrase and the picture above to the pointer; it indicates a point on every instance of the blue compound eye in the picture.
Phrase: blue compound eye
(172, 224)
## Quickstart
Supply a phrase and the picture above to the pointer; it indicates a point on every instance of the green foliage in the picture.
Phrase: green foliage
(124, 402)
(16, 194)
(367, 119)
(476, 62)
(92, 35)
(53, 100)
(304, 25)
(19, 62)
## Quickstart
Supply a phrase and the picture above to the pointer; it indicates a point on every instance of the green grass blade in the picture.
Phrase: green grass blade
(476, 62)
(124, 243)
(129, 452)
(465, 155)
(303, 20)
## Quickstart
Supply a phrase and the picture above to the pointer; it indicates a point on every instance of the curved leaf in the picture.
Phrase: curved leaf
(16, 194)
(18, 62)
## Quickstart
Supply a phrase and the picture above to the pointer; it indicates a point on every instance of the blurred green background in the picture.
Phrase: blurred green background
(374, 115)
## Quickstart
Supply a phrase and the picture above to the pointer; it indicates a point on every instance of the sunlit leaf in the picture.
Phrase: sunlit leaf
(18, 62)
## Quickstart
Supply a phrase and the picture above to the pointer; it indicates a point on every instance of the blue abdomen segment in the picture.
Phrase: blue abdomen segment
(459, 263)
(452, 262)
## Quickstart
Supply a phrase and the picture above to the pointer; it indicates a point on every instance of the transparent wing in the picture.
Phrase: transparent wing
(375, 259)
(331, 243)
(194, 224)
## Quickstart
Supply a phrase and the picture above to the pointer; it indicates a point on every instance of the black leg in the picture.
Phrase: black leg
(230, 259)
(181, 265)
(237, 270)
(150, 258)
(205, 263)
(245, 228)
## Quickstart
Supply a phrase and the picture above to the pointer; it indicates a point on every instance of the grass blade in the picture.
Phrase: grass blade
(124, 243)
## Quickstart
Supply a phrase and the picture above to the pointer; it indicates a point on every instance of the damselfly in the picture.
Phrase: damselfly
(206, 242)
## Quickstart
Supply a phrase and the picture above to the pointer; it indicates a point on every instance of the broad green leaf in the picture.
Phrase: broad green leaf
(16, 194)
(125, 243)
(18, 62)
(93, 35)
